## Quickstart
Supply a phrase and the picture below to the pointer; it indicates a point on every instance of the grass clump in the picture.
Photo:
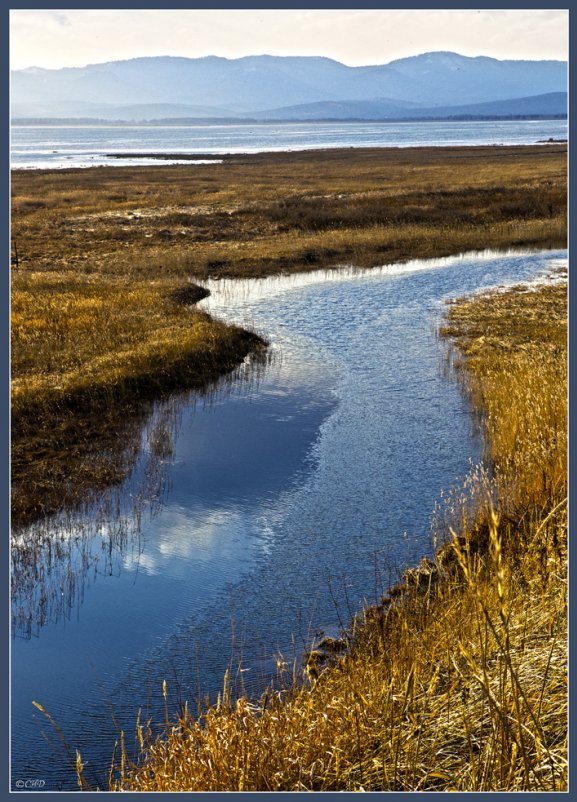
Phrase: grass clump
(88, 353)
(515, 348)
(457, 681)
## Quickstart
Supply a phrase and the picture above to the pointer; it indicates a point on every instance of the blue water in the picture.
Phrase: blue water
(60, 146)
(291, 497)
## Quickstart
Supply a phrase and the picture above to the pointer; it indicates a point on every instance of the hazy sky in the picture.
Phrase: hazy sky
(47, 38)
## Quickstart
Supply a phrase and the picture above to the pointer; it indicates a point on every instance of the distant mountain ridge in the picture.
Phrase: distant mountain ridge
(261, 86)
(551, 104)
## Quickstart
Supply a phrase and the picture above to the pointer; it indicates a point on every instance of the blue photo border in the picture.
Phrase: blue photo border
(5, 355)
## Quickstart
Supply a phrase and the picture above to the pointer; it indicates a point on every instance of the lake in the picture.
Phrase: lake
(280, 502)
(61, 146)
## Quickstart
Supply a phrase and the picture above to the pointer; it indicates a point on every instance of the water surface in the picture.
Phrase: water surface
(61, 146)
(289, 498)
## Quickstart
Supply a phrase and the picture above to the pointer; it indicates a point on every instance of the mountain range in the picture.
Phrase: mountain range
(438, 84)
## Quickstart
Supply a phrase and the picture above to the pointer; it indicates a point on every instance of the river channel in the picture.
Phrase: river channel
(281, 503)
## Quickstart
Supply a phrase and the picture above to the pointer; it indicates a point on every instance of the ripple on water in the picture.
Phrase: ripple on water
(287, 503)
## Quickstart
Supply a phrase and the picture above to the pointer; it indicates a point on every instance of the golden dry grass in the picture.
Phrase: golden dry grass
(515, 345)
(88, 352)
(97, 256)
(72, 332)
(458, 680)
(267, 213)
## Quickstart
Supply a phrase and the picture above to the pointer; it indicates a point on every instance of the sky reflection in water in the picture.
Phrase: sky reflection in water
(287, 502)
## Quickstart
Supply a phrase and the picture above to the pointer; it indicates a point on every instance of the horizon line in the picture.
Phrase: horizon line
(283, 56)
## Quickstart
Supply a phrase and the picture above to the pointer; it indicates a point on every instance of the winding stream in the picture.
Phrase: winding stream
(282, 502)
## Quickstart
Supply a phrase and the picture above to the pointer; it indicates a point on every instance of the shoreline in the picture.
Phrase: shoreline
(224, 156)
(457, 681)
(88, 434)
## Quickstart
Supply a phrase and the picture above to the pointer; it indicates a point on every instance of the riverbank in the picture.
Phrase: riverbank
(457, 681)
(91, 357)
(99, 257)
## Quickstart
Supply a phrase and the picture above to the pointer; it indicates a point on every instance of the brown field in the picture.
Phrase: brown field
(269, 213)
(101, 260)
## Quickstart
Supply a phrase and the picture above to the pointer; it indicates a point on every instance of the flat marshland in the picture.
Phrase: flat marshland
(281, 212)
(102, 259)
(457, 681)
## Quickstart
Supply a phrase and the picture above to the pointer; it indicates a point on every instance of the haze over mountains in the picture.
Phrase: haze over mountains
(439, 84)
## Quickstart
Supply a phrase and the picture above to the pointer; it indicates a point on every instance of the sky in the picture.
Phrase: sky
(74, 38)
